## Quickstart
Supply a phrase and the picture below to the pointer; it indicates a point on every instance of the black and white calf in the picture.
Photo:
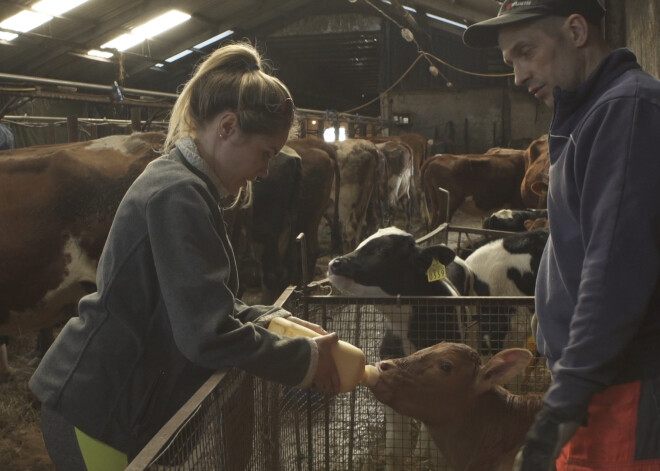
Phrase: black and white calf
(512, 219)
(391, 263)
(505, 267)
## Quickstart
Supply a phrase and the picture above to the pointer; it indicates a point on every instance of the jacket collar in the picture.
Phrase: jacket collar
(188, 149)
(611, 67)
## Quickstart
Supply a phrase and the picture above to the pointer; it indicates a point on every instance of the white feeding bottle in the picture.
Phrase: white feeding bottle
(350, 360)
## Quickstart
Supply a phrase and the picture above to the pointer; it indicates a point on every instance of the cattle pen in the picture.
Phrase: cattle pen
(239, 422)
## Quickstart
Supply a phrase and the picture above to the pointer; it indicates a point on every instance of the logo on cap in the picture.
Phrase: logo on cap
(508, 6)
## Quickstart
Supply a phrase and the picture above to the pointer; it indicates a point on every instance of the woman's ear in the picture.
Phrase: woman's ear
(227, 124)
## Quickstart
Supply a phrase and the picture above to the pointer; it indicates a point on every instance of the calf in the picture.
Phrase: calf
(534, 187)
(476, 424)
(512, 220)
(391, 263)
(505, 267)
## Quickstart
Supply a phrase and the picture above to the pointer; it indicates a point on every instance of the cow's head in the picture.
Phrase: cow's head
(388, 263)
(442, 382)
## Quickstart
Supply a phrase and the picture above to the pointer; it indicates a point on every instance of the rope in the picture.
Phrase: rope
(421, 54)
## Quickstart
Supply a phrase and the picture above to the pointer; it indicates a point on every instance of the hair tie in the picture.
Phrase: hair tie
(251, 67)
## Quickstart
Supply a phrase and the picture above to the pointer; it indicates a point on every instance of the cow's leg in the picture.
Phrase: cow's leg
(398, 440)
(45, 338)
(5, 370)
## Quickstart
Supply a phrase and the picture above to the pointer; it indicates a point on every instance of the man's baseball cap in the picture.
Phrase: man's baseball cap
(484, 33)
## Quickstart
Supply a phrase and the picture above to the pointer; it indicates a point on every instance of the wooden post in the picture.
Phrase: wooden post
(72, 128)
(136, 126)
(51, 133)
(321, 128)
(302, 130)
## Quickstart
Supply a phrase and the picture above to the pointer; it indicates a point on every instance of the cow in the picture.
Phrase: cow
(316, 154)
(391, 263)
(57, 203)
(263, 234)
(358, 165)
(512, 220)
(397, 185)
(491, 180)
(320, 177)
(476, 424)
(419, 147)
(534, 187)
(291, 200)
(6, 137)
(505, 267)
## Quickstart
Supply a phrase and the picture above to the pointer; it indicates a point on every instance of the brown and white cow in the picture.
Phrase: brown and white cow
(57, 203)
(491, 180)
(475, 423)
(396, 179)
(358, 165)
(534, 187)
(419, 147)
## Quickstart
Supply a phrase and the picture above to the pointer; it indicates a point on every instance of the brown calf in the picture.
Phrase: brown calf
(475, 423)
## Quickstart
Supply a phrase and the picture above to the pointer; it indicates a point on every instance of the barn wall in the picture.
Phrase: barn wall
(643, 32)
(473, 118)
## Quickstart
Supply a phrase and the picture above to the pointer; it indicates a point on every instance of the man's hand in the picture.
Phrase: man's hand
(548, 435)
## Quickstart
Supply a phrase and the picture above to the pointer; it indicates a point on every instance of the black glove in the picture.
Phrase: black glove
(550, 431)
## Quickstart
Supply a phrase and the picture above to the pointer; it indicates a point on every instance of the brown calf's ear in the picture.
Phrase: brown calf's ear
(502, 367)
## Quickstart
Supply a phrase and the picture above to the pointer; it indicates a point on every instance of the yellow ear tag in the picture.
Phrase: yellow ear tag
(436, 271)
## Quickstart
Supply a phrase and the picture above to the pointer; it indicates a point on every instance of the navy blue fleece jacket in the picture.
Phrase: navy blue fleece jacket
(597, 292)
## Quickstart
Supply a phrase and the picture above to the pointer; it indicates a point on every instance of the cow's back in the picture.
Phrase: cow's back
(56, 207)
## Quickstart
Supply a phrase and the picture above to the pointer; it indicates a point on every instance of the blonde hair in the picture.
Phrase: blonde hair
(231, 78)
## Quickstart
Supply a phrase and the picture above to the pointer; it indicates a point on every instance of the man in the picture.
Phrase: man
(598, 289)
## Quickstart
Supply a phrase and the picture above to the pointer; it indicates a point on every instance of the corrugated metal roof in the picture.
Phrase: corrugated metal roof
(322, 47)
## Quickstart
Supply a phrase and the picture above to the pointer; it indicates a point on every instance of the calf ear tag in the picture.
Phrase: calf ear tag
(436, 271)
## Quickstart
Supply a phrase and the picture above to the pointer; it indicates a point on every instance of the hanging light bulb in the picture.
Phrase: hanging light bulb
(407, 34)
(433, 70)
(352, 1)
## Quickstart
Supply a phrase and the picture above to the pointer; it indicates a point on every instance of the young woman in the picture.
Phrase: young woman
(165, 314)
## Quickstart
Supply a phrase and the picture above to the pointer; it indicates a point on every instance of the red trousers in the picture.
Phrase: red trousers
(609, 440)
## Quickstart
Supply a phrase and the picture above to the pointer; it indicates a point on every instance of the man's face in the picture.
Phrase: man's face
(542, 56)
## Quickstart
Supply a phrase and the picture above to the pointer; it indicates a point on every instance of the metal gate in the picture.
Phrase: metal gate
(238, 422)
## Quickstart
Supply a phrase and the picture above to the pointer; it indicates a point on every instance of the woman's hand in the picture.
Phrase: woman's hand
(326, 379)
(316, 328)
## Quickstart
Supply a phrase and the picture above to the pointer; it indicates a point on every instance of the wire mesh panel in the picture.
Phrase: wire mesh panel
(244, 423)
